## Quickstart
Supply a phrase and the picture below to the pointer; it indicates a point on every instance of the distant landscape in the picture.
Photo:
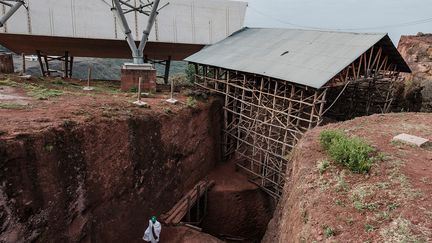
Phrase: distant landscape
(102, 68)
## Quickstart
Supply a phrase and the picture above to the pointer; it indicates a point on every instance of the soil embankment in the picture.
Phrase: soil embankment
(100, 180)
(392, 203)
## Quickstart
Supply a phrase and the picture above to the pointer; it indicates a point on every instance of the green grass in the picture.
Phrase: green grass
(353, 153)
(12, 106)
(358, 197)
(8, 82)
(33, 90)
(41, 93)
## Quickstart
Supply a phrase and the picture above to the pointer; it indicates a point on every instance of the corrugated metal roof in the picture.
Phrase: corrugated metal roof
(306, 57)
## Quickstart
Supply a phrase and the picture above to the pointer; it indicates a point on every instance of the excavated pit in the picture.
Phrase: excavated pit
(100, 181)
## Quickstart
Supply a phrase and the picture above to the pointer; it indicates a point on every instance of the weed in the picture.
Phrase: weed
(358, 196)
(191, 102)
(58, 81)
(339, 203)
(12, 106)
(392, 206)
(369, 228)
(381, 157)
(384, 215)
(383, 185)
(322, 166)
(398, 231)
(341, 183)
(351, 152)
(400, 144)
(41, 93)
(133, 89)
(328, 231)
(8, 82)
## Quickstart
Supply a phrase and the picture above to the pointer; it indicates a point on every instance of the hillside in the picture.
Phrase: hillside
(103, 68)
(391, 203)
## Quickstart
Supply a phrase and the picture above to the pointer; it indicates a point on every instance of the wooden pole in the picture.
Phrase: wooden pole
(89, 75)
(139, 88)
(172, 89)
(23, 64)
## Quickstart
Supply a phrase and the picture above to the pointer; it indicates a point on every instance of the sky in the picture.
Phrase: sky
(396, 17)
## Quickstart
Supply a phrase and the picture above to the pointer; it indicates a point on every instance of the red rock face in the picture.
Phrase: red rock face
(101, 181)
(417, 52)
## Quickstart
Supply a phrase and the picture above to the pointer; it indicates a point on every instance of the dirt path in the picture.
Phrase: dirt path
(37, 104)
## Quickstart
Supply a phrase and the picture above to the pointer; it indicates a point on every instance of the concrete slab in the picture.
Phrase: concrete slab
(172, 101)
(141, 104)
(411, 140)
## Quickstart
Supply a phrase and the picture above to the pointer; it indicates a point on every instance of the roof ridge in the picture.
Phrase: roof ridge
(312, 30)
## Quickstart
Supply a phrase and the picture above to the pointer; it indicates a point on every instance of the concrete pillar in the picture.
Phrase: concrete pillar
(130, 74)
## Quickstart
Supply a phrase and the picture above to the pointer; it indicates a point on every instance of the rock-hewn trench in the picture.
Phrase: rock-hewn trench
(101, 181)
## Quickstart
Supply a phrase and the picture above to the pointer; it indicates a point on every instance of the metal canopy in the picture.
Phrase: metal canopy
(306, 57)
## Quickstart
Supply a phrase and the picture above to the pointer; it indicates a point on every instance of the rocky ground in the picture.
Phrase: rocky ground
(391, 203)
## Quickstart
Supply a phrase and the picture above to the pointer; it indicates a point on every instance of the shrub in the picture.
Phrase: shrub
(327, 137)
(351, 152)
(191, 102)
(190, 73)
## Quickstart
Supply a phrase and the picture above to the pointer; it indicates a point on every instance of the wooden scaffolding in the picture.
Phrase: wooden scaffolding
(264, 118)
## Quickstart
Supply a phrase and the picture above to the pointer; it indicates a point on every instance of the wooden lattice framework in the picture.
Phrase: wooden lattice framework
(264, 118)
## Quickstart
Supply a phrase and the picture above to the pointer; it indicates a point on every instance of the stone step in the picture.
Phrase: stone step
(411, 140)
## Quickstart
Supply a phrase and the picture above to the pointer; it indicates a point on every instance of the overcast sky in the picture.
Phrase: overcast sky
(396, 17)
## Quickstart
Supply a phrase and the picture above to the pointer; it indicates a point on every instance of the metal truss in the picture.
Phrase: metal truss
(13, 5)
(121, 7)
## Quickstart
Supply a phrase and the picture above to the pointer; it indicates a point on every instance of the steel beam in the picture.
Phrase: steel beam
(137, 52)
(11, 11)
(118, 11)
(150, 23)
